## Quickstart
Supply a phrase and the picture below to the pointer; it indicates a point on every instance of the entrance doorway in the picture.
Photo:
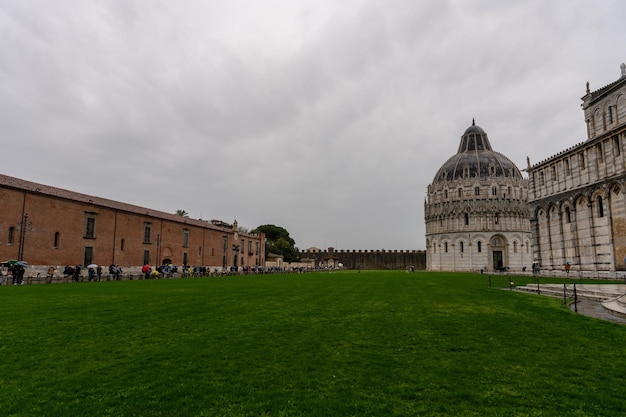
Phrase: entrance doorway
(499, 256)
(498, 261)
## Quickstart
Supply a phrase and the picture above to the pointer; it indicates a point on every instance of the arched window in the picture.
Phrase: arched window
(480, 246)
(600, 207)
(466, 219)
(462, 247)
(445, 246)
(568, 215)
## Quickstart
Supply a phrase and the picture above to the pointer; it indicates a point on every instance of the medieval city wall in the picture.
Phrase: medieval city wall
(367, 259)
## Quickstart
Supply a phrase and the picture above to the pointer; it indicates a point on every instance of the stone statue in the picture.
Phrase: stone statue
(623, 68)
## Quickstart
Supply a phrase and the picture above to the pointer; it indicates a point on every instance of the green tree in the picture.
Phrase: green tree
(279, 242)
(182, 213)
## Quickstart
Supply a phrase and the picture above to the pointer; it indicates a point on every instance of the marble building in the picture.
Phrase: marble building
(476, 211)
(578, 197)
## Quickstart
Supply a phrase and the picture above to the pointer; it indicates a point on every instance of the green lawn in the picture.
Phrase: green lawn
(318, 344)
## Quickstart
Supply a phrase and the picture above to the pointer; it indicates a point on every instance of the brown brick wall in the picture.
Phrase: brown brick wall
(49, 214)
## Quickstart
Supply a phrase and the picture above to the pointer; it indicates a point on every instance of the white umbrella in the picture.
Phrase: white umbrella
(92, 266)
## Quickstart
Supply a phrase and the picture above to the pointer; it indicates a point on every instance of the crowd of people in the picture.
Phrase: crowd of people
(14, 274)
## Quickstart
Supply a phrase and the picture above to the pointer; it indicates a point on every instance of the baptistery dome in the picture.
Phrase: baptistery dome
(475, 158)
(476, 212)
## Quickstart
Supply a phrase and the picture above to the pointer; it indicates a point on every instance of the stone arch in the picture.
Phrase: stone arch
(621, 108)
(597, 120)
(616, 205)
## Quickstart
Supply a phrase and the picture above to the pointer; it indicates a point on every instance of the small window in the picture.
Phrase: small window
(600, 207)
(460, 192)
(462, 247)
(147, 232)
(568, 215)
(616, 146)
(480, 246)
(185, 238)
(90, 226)
(146, 257)
(477, 191)
(515, 247)
(56, 240)
(466, 218)
(599, 152)
(567, 169)
(494, 191)
(542, 179)
(11, 236)
(446, 247)
(445, 193)
(122, 245)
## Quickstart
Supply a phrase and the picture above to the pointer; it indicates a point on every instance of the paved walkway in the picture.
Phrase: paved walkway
(590, 298)
(595, 309)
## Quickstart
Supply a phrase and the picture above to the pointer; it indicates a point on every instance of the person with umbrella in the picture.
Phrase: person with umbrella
(146, 269)
(17, 270)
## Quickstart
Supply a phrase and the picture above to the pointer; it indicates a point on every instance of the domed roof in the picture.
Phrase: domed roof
(475, 158)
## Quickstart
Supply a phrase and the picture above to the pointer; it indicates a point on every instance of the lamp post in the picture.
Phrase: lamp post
(22, 225)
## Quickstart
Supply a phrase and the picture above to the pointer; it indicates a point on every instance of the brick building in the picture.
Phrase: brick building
(46, 226)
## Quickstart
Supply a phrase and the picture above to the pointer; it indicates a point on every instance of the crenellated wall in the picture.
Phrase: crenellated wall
(366, 259)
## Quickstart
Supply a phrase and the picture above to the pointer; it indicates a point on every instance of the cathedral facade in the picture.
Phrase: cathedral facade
(578, 197)
(476, 211)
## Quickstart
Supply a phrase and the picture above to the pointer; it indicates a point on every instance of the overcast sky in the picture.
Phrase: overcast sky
(328, 118)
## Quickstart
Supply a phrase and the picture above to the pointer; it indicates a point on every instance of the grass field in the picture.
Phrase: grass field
(318, 344)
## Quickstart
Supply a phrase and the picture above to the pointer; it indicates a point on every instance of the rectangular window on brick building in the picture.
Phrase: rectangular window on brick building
(147, 231)
(146, 257)
(90, 225)
(185, 238)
